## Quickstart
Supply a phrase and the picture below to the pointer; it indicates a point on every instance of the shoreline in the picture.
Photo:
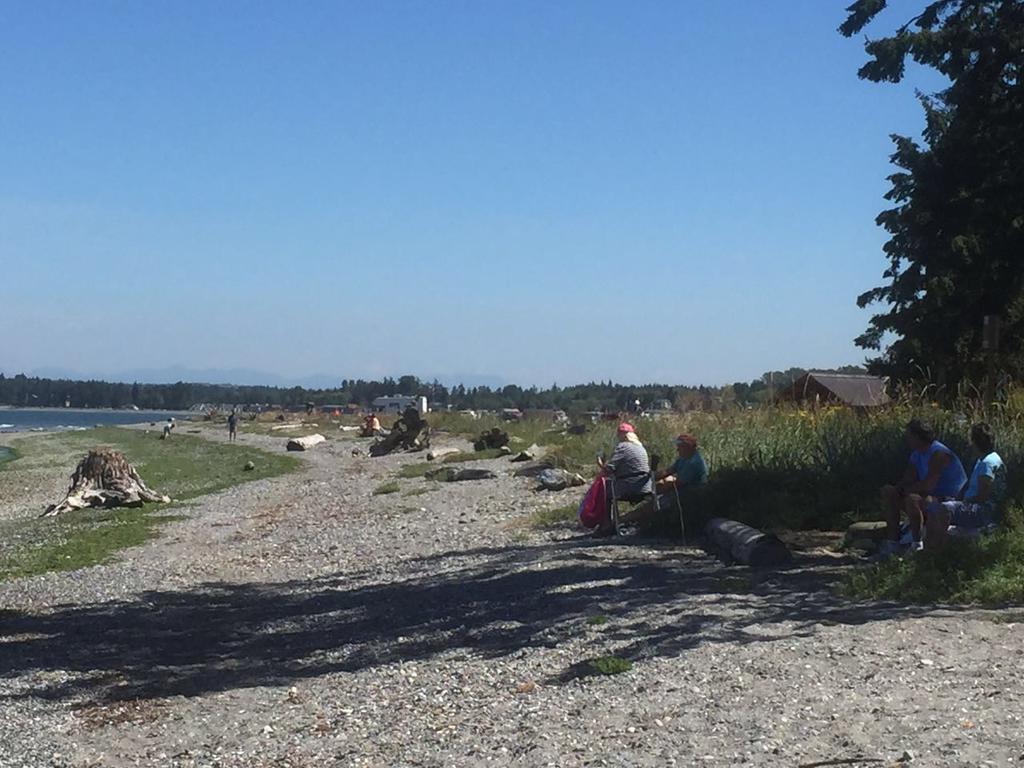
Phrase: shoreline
(17, 421)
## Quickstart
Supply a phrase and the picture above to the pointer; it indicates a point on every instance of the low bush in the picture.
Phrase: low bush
(987, 570)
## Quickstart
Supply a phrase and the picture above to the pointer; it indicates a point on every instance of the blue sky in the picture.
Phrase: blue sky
(673, 191)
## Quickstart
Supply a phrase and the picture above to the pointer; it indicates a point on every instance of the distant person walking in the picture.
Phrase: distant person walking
(168, 426)
(233, 426)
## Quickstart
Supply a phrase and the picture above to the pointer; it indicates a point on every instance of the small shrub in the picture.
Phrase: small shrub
(596, 621)
(547, 518)
(990, 570)
(388, 487)
(609, 665)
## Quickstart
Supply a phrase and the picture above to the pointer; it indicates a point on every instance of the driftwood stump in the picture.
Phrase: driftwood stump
(104, 479)
(410, 433)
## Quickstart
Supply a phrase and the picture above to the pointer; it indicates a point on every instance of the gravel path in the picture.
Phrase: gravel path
(304, 621)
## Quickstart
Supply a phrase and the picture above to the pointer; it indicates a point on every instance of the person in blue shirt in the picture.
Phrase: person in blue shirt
(687, 472)
(934, 473)
(979, 506)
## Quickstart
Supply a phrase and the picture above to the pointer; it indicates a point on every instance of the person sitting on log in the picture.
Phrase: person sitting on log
(371, 426)
(685, 474)
(628, 470)
(978, 509)
(934, 473)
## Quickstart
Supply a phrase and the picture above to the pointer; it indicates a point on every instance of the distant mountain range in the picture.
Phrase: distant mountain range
(241, 377)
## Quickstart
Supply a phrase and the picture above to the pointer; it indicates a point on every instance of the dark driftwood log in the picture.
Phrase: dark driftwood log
(745, 544)
(410, 433)
(104, 479)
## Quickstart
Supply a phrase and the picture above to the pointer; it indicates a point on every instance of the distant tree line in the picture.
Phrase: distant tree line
(25, 391)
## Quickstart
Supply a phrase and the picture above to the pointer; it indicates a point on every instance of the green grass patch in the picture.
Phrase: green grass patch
(385, 488)
(986, 571)
(183, 467)
(596, 621)
(415, 470)
(546, 518)
(609, 665)
(7, 455)
(84, 537)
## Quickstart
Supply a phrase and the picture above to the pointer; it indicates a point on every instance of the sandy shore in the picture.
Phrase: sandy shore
(304, 621)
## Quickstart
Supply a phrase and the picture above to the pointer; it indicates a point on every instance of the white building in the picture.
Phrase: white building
(398, 403)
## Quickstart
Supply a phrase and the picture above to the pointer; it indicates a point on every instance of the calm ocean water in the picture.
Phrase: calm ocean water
(52, 419)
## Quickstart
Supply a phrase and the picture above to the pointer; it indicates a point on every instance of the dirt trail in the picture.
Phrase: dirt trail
(303, 621)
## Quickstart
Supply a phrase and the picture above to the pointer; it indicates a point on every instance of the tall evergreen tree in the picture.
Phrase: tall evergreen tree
(956, 247)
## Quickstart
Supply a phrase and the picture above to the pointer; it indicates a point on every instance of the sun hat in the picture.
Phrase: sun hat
(684, 439)
(626, 427)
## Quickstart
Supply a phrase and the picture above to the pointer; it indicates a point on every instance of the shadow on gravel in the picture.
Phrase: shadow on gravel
(488, 602)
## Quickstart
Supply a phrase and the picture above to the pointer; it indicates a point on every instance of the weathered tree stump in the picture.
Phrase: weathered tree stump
(104, 478)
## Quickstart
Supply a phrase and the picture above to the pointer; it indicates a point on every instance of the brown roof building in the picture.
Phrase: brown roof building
(837, 389)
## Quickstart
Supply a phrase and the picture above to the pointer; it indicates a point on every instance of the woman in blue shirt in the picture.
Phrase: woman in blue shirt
(934, 473)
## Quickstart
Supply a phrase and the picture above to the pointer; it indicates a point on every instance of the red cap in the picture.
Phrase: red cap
(626, 427)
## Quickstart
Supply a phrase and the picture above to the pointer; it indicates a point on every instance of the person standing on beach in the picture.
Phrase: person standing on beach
(233, 425)
(167, 428)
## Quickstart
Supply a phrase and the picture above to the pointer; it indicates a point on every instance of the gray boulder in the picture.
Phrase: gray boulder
(558, 480)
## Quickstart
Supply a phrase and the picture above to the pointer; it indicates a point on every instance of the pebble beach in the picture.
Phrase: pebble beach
(303, 621)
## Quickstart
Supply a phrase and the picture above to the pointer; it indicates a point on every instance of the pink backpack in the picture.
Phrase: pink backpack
(593, 510)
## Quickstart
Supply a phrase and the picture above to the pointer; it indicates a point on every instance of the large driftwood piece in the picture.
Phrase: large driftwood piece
(745, 544)
(104, 478)
(440, 453)
(410, 433)
(304, 443)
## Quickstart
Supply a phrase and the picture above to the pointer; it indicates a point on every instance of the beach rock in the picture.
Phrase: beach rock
(504, 451)
(871, 531)
(533, 470)
(249, 466)
(529, 454)
(304, 443)
(558, 480)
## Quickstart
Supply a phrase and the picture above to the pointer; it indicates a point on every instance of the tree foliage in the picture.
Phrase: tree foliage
(956, 245)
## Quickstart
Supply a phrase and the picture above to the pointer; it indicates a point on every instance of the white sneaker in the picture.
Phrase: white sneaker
(916, 546)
